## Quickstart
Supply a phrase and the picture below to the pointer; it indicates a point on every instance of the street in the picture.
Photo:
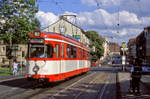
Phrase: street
(107, 82)
(99, 83)
(74, 49)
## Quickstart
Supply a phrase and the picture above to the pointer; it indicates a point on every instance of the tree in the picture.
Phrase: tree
(19, 17)
(96, 41)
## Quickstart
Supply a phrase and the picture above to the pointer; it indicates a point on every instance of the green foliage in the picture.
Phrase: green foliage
(96, 41)
(19, 17)
(5, 73)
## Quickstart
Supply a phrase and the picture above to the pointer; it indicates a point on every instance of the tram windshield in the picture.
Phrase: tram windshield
(40, 51)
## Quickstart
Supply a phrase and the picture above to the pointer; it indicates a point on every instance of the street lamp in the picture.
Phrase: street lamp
(124, 49)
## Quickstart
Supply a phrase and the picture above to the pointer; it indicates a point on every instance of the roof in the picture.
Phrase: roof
(68, 22)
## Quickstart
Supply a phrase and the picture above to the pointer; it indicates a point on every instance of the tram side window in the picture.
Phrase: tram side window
(74, 52)
(49, 51)
(86, 55)
(82, 54)
(71, 51)
(57, 51)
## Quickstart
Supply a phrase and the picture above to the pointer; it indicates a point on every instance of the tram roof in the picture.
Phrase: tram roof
(57, 36)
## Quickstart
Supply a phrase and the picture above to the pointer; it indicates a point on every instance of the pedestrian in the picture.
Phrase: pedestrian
(15, 67)
(136, 73)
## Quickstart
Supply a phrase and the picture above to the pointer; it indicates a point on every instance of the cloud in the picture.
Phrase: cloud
(89, 2)
(104, 22)
(101, 19)
(123, 35)
(130, 25)
(46, 18)
(124, 32)
(140, 7)
(145, 21)
(100, 2)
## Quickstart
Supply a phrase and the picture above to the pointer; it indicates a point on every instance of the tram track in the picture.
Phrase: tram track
(63, 90)
(102, 89)
(15, 88)
(76, 88)
(87, 86)
(30, 93)
(18, 89)
(85, 89)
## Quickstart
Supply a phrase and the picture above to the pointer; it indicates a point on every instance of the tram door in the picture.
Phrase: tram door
(60, 55)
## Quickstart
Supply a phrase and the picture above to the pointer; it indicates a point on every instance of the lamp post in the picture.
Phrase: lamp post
(124, 49)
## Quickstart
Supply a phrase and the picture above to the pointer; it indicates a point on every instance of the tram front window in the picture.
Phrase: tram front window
(37, 51)
(40, 51)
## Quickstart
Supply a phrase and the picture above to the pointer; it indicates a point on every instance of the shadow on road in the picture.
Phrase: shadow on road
(25, 84)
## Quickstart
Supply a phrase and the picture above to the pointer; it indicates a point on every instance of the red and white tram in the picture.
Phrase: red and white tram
(53, 57)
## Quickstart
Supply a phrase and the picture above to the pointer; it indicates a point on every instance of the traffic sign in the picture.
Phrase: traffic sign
(124, 45)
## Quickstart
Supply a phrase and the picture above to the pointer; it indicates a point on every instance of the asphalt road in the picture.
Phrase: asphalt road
(99, 83)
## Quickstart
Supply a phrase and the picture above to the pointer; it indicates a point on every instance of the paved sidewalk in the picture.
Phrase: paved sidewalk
(124, 80)
(19, 75)
(146, 79)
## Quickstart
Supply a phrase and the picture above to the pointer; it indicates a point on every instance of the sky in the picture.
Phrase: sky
(118, 20)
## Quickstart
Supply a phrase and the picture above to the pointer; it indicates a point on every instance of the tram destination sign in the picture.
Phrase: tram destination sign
(36, 40)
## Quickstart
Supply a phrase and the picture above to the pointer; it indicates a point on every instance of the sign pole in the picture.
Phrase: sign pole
(124, 48)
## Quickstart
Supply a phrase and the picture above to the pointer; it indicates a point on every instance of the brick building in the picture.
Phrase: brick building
(131, 50)
(114, 48)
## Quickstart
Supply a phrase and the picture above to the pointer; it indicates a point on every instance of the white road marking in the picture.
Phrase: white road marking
(78, 95)
(52, 97)
(14, 88)
(103, 90)
(86, 87)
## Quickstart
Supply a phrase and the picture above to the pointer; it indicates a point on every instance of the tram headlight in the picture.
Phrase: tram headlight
(36, 68)
(37, 33)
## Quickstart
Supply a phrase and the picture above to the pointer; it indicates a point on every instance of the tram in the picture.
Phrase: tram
(53, 57)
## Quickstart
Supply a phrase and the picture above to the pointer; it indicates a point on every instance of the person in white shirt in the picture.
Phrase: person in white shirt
(15, 67)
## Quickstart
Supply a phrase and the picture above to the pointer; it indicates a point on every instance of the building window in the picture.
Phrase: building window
(53, 29)
(3, 48)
